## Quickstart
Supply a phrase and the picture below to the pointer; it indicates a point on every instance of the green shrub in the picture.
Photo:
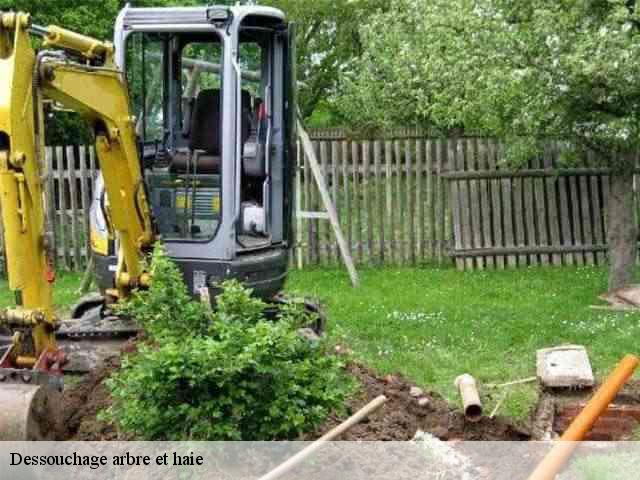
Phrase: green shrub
(166, 308)
(229, 374)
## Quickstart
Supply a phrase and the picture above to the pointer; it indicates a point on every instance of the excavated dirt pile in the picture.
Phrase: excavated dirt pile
(404, 414)
(399, 419)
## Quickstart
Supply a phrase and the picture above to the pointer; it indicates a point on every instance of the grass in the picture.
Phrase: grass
(64, 295)
(433, 324)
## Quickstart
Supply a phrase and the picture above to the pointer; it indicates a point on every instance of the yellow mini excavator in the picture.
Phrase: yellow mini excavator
(193, 112)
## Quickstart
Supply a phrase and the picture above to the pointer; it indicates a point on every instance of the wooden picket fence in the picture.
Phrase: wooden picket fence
(541, 214)
(404, 199)
(390, 195)
(69, 190)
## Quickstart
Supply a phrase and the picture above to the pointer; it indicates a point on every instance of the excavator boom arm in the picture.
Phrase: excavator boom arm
(83, 78)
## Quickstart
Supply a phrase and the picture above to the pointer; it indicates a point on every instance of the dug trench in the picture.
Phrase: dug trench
(556, 410)
(399, 419)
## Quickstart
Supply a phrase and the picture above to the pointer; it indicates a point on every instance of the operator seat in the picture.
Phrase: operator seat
(205, 127)
(205, 133)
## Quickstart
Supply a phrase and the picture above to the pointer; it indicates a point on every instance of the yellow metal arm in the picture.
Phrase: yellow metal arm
(28, 262)
(100, 95)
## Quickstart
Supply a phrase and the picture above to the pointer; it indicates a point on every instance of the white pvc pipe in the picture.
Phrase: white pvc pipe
(471, 403)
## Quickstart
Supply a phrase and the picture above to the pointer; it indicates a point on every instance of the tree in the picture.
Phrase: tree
(83, 16)
(328, 37)
(525, 71)
(328, 40)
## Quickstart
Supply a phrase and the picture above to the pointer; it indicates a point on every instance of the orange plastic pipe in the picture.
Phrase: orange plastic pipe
(562, 451)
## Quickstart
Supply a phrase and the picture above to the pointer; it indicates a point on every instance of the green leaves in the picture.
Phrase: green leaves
(505, 68)
(228, 374)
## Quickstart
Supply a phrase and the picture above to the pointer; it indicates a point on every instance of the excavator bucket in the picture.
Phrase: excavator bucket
(26, 413)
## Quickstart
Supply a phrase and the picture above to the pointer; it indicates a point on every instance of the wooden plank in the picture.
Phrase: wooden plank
(377, 158)
(552, 204)
(496, 205)
(466, 225)
(605, 205)
(85, 200)
(335, 195)
(329, 206)
(591, 210)
(49, 192)
(430, 190)
(541, 212)
(475, 200)
(388, 159)
(598, 217)
(314, 215)
(73, 196)
(316, 245)
(298, 196)
(366, 189)
(399, 209)
(456, 205)
(540, 250)
(519, 217)
(565, 218)
(576, 221)
(565, 214)
(410, 205)
(92, 165)
(308, 255)
(484, 186)
(323, 227)
(508, 225)
(587, 219)
(62, 207)
(346, 186)
(530, 172)
(420, 237)
(357, 207)
(440, 192)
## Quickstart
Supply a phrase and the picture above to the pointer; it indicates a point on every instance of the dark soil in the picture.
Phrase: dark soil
(81, 404)
(83, 401)
(399, 419)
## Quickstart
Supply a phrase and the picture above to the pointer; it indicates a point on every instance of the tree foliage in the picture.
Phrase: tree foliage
(328, 40)
(524, 71)
(521, 70)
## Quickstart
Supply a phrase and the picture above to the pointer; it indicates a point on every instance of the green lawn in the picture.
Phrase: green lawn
(433, 324)
(65, 293)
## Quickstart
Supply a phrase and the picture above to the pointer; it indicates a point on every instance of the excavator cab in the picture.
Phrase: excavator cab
(194, 114)
(212, 90)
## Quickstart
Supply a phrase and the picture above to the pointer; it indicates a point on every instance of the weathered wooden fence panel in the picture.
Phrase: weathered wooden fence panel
(543, 214)
(407, 199)
(390, 194)
(402, 199)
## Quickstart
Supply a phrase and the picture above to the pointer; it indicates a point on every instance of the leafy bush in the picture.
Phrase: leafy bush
(166, 309)
(227, 374)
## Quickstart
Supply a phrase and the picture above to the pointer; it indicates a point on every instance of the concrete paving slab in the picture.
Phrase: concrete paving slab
(565, 367)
